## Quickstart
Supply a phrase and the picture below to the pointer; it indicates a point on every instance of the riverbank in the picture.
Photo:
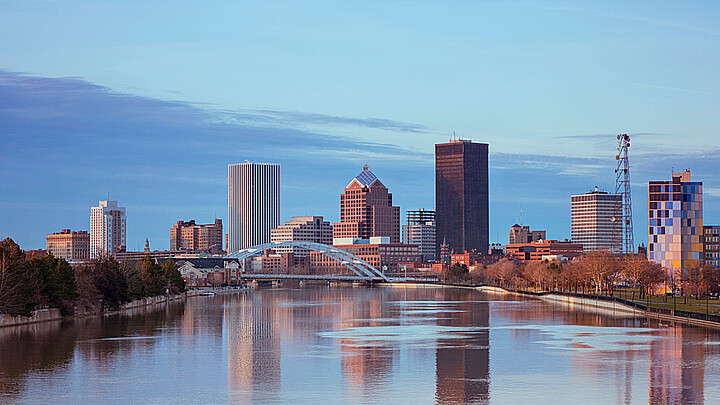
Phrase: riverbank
(569, 300)
(53, 314)
(601, 304)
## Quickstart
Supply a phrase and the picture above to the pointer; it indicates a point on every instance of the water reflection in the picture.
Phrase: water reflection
(677, 368)
(51, 347)
(254, 368)
(463, 365)
(361, 345)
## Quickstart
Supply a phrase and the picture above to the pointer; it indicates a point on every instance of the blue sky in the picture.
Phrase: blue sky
(150, 101)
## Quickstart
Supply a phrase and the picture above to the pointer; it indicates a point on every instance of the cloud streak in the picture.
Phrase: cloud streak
(67, 143)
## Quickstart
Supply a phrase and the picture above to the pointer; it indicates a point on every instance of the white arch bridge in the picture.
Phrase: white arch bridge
(363, 270)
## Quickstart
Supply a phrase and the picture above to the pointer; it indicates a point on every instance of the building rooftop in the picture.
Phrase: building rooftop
(366, 178)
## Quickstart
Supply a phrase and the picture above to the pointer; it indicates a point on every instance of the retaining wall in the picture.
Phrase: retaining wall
(53, 314)
(42, 315)
(605, 307)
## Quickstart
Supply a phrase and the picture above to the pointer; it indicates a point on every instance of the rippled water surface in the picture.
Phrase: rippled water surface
(361, 345)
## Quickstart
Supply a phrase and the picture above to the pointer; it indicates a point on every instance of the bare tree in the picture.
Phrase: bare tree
(600, 267)
(711, 278)
(653, 274)
(576, 274)
(502, 271)
(537, 273)
(692, 280)
(633, 266)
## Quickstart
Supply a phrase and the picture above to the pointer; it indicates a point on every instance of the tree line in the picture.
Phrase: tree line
(597, 272)
(99, 284)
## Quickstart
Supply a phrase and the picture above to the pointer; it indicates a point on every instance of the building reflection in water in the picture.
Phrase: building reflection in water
(362, 345)
(674, 363)
(366, 368)
(677, 367)
(93, 341)
(463, 364)
(254, 350)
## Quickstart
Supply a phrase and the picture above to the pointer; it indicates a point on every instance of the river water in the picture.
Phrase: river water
(360, 345)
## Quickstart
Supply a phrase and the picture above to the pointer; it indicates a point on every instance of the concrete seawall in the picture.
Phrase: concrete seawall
(53, 314)
(603, 307)
(41, 315)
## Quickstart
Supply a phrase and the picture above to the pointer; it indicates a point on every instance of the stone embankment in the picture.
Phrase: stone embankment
(53, 314)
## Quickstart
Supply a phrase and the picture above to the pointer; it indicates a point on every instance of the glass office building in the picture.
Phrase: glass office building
(675, 223)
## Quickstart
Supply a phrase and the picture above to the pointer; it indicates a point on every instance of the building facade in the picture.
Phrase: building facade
(107, 229)
(192, 237)
(379, 252)
(523, 234)
(595, 217)
(366, 210)
(675, 223)
(253, 203)
(70, 245)
(302, 229)
(545, 249)
(461, 196)
(711, 245)
(420, 231)
(273, 262)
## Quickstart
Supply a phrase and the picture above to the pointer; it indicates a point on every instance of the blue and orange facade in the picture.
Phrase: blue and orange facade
(675, 223)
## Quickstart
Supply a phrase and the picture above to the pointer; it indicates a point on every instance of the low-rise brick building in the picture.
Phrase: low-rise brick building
(548, 248)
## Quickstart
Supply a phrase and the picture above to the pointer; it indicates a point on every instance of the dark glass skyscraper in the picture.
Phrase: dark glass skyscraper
(461, 195)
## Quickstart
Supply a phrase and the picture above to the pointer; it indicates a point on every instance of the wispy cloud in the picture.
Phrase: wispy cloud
(66, 143)
(676, 89)
(712, 191)
(558, 164)
(605, 137)
(294, 119)
(75, 141)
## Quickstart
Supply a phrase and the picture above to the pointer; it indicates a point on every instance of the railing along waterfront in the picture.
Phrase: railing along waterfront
(642, 307)
(636, 305)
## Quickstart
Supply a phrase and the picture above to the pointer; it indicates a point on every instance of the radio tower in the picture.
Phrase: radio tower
(623, 235)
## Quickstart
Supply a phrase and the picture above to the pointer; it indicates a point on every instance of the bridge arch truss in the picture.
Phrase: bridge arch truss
(355, 264)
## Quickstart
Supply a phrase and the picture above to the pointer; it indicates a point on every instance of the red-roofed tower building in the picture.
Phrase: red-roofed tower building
(366, 210)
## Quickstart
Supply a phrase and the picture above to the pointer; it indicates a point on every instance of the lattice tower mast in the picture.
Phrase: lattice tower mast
(623, 234)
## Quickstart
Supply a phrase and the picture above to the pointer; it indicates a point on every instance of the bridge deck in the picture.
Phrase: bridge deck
(327, 277)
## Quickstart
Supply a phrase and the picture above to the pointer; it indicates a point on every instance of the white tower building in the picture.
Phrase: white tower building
(253, 203)
(107, 229)
(593, 216)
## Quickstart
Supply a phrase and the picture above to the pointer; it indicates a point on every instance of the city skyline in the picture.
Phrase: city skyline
(548, 86)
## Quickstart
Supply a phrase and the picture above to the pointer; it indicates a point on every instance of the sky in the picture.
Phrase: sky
(148, 102)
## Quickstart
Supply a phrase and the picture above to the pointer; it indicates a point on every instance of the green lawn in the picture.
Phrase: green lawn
(686, 304)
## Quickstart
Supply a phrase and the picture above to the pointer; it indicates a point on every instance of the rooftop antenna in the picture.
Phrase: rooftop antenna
(520, 214)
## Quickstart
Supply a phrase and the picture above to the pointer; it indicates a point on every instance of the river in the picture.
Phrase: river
(384, 345)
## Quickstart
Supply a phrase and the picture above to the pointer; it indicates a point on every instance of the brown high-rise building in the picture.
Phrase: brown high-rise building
(192, 237)
(523, 234)
(70, 245)
(366, 210)
(461, 195)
